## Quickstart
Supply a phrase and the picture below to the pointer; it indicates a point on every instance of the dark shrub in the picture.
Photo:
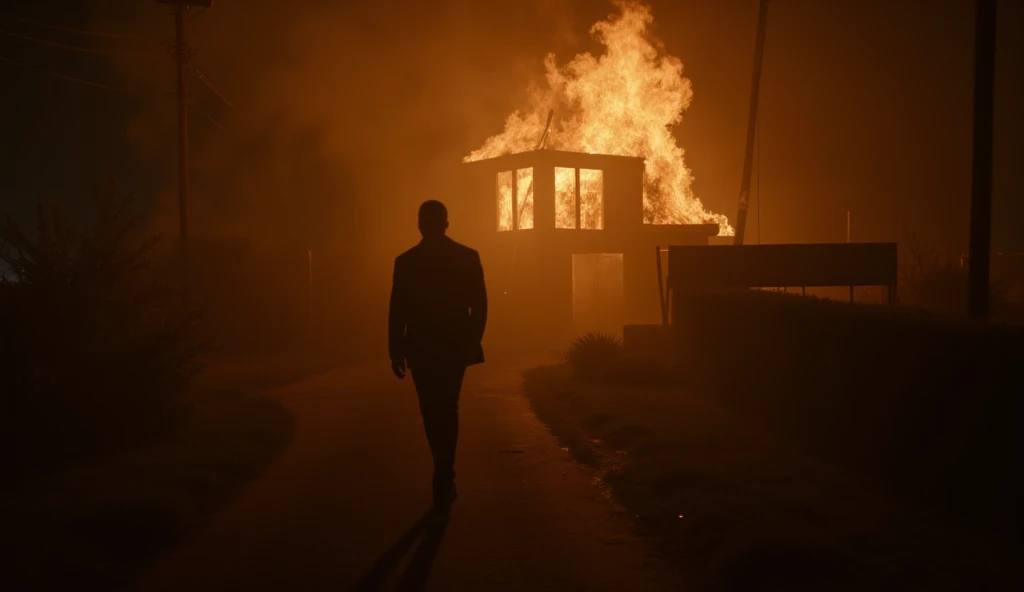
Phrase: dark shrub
(925, 404)
(95, 351)
(643, 369)
(940, 285)
(591, 355)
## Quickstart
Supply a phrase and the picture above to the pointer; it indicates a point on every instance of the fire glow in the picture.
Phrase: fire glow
(624, 103)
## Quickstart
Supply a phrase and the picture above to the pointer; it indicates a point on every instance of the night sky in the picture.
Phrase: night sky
(346, 117)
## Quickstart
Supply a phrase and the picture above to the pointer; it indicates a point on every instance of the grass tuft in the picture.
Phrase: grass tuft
(591, 355)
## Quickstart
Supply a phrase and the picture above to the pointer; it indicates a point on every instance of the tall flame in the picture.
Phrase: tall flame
(623, 102)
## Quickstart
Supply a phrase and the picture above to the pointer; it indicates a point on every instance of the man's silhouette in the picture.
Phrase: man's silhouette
(436, 323)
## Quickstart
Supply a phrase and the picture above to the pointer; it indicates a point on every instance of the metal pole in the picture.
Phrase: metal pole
(182, 58)
(309, 284)
(848, 241)
(755, 91)
(981, 187)
(309, 291)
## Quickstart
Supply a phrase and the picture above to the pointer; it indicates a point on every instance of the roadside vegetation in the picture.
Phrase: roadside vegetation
(938, 284)
(925, 405)
(115, 451)
(755, 480)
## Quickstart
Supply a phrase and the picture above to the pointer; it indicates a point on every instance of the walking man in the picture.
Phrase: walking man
(435, 326)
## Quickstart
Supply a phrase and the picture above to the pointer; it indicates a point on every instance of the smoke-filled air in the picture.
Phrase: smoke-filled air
(407, 295)
(623, 102)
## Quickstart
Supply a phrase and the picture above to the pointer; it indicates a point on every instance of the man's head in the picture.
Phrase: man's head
(433, 219)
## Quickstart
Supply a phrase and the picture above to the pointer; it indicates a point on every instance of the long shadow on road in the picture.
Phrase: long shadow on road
(415, 575)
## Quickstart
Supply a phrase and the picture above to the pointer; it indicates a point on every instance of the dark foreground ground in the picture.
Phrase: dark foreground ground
(339, 508)
(564, 485)
(741, 507)
(97, 524)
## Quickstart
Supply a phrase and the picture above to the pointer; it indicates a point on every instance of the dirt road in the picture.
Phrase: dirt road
(339, 508)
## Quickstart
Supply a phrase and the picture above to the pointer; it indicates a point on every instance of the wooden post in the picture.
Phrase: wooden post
(577, 198)
(515, 199)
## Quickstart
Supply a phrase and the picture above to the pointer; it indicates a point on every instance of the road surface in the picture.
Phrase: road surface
(339, 507)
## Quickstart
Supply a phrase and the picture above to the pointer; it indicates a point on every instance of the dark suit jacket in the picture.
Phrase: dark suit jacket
(438, 304)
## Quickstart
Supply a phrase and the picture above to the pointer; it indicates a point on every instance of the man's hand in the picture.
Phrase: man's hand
(398, 367)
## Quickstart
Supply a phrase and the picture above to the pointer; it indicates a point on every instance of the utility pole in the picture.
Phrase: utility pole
(309, 293)
(981, 173)
(748, 157)
(848, 241)
(182, 57)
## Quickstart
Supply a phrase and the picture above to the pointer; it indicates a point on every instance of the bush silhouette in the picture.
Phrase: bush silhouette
(96, 352)
(591, 355)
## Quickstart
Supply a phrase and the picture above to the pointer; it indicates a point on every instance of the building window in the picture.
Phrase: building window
(591, 184)
(565, 198)
(504, 193)
(524, 198)
(579, 199)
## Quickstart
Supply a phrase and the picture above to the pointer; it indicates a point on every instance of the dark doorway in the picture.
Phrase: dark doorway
(597, 292)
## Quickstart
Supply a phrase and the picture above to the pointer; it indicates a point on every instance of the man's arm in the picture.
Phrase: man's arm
(478, 299)
(397, 321)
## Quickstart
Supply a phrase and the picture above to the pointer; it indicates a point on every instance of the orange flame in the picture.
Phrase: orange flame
(623, 102)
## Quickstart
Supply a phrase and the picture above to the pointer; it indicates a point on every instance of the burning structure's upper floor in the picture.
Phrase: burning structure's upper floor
(551, 191)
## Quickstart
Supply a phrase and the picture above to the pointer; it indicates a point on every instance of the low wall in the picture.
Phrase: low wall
(927, 406)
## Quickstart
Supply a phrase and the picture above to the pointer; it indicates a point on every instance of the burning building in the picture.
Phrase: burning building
(568, 249)
(572, 207)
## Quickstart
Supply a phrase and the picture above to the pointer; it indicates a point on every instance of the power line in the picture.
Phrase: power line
(64, 76)
(210, 117)
(68, 29)
(212, 88)
(39, 41)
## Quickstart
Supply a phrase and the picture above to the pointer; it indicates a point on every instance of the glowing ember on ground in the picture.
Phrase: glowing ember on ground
(623, 102)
